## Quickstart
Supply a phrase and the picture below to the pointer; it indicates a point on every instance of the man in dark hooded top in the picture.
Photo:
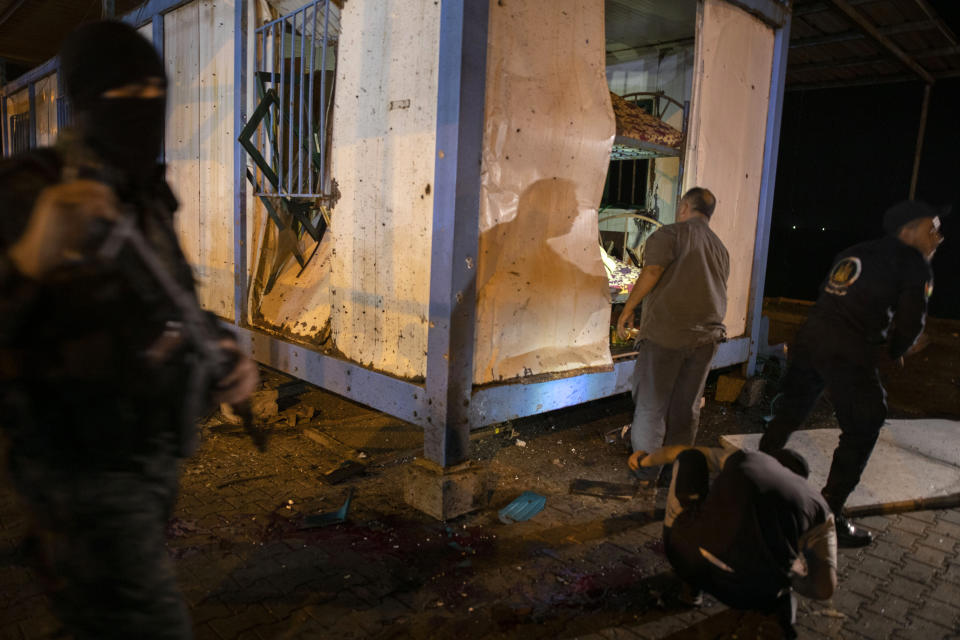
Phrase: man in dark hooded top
(98, 374)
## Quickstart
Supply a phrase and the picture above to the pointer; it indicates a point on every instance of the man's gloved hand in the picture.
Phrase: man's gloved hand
(59, 225)
(239, 384)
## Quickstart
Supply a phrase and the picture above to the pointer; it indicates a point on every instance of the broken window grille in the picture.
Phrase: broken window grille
(288, 135)
(20, 132)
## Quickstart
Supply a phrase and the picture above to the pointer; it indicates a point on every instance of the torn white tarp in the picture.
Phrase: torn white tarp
(543, 304)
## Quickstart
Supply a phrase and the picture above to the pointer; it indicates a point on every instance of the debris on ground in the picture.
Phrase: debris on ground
(829, 613)
(618, 435)
(235, 481)
(292, 414)
(601, 489)
(263, 404)
(523, 508)
(347, 461)
(181, 528)
(331, 517)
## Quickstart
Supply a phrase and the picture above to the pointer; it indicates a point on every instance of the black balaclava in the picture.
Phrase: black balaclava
(126, 133)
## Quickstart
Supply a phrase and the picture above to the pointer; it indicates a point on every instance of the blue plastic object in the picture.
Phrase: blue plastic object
(332, 517)
(523, 508)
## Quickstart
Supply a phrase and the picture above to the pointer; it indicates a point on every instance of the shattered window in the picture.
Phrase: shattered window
(288, 135)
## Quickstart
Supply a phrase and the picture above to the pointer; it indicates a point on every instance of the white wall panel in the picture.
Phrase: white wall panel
(198, 54)
(181, 32)
(727, 132)
(46, 110)
(543, 304)
(384, 138)
(214, 266)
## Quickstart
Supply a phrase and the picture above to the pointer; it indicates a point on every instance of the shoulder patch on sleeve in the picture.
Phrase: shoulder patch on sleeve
(843, 274)
(928, 289)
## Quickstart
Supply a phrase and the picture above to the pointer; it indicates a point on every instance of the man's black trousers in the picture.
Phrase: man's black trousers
(859, 401)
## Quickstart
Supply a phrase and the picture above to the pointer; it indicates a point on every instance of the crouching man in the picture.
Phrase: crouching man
(758, 534)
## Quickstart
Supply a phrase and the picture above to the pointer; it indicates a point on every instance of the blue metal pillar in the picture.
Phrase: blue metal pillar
(157, 23)
(6, 128)
(32, 127)
(778, 80)
(3, 108)
(140, 16)
(239, 165)
(456, 215)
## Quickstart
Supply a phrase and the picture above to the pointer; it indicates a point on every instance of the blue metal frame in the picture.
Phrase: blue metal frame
(30, 77)
(511, 401)
(771, 148)
(6, 127)
(240, 276)
(405, 400)
(32, 100)
(456, 228)
(496, 403)
(158, 34)
(141, 16)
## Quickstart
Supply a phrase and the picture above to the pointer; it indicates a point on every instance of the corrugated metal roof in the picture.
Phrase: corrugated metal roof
(829, 47)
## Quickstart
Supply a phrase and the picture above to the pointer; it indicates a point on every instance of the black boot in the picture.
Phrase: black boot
(850, 536)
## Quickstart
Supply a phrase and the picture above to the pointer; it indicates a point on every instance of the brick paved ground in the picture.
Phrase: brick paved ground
(583, 567)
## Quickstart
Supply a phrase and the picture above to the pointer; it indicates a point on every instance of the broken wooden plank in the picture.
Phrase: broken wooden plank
(349, 462)
(601, 489)
(949, 501)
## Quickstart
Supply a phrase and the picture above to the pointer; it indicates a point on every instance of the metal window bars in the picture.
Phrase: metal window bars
(20, 132)
(288, 133)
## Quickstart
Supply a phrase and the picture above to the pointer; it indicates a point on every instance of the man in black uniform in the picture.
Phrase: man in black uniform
(756, 535)
(98, 373)
(870, 286)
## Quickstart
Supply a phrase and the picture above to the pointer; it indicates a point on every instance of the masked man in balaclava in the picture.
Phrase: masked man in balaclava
(95, 365)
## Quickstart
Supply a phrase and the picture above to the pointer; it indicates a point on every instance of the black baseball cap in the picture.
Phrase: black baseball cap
(909, 210)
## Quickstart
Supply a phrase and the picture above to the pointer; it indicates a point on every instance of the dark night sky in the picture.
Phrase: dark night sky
(845, 156)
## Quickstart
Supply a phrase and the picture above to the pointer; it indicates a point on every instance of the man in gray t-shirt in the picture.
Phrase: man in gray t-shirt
(683, 286)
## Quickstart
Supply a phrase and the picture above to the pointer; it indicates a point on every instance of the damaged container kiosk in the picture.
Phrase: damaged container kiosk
(398, 200)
